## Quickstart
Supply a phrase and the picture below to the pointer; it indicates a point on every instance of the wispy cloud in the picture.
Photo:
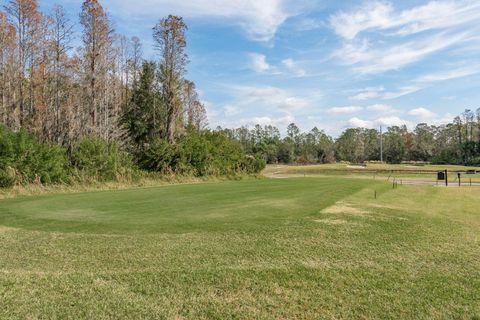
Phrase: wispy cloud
(381, 108)
(403, 91)
(269, 98)
(230, 110)
(373, 60)
(258, 62)
(381, 15)
(292, 66)
(392, 39)
(373, 15)
(451, 74)
(345, 110)
(260, 19)
(424, 81)
(421, 114)
(368, 93)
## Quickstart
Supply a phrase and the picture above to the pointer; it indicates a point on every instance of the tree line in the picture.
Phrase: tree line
(100, 100)
(62, 94)
(101, 111)
(457, 142)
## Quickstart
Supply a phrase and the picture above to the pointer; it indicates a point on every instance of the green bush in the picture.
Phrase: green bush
(31, 160)
(6, 181)
(101, 160)
(24, 160)
(226, 154)
(252, 164)
(157, 156)
(447, 156)
(195, 156)
(198, 154)
(473, 162)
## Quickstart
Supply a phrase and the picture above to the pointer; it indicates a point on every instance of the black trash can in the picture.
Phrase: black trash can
(441, 176)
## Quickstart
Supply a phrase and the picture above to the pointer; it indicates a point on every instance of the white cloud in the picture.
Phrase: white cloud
(272, 98)
(445, 119)
(289, 63)
(293, 103)
(230, 110)
(451, 74)
(372, 15)
(292, 66)
(258, 62)
(260, 91)
(260, 19)
(422, 113)
(383, 121)
(454, 22)
(345, 110)
(367, 60)
(380, 108)
(381, 15)
(403, 91)
(352, 53)
(359, 123)
(393, 121)
(265, 121)
(280, 122)
(368, 93)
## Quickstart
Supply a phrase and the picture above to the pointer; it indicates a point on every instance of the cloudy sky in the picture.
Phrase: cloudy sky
(325, 63)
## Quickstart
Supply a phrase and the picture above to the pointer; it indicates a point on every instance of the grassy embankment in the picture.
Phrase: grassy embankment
(275, 248)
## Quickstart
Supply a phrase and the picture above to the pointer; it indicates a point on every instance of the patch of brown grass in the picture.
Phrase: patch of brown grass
(344, 208)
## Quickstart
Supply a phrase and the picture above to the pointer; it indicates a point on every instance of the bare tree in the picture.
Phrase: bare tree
(169, 35)
(26, 19)
(7, 47)
(135, 61)
(195, 113)
(61, 35)
(96, 45)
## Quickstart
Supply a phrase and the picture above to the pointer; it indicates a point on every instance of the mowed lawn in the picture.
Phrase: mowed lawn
(298, 248)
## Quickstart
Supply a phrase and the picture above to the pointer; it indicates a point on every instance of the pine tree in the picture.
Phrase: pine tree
(143, 119)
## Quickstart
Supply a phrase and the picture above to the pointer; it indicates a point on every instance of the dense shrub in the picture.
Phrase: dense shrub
(101, 160)
(447, 156)
(199, 154)
(6, 180)
(30, 160)
(24, 160)
(252, 164)
(157, 156)
(473, 162)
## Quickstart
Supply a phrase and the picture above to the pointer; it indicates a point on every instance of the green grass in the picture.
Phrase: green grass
(377, 170)
(256, 249)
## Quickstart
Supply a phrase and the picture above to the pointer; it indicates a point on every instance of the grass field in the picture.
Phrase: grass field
(377, 170)
(297, 248)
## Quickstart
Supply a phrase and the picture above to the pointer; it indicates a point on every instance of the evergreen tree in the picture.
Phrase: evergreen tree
(143, 119)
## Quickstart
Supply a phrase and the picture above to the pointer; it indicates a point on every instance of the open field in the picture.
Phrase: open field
(387, 172)
(275, 248)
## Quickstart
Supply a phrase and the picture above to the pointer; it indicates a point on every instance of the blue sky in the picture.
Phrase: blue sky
(330, 64)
